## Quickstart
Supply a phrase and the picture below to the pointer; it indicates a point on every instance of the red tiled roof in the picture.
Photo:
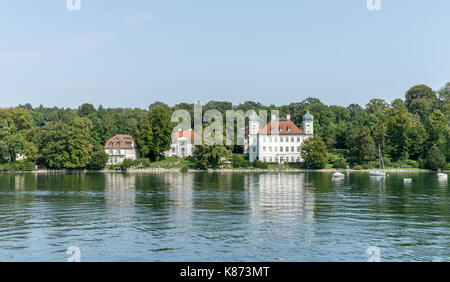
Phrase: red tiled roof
(190, 134)
(121, 141)
(285, 127)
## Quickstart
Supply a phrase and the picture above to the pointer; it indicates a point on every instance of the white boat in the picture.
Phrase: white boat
(338, 175)
(382, 170)
(377, 172)
(441, 175)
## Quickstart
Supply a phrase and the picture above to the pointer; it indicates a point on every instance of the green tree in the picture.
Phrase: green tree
(98, 160)
(421, 99)
(154, 136)
(314, 152)
(206, 156)
(15, 144)
(435, 158)
(67, 145)
(362, 146)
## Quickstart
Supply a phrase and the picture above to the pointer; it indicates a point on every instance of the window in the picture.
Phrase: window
(264, 139)
(270, 138)
(118, 144)
(292, 159)
(276, 148)
(275, 139)
(289, 129)
(281, 139)
(298, 159)
(298, 138)
(292, 149)
(254, 149)
(270, 149)
(276, 159)
(298, 149)
(111, 144)
(281, 149)
(292, 139)
(281, 129)
(264, 159)
(287, 149)
(264, 149)
(270, 159)
(287, 139)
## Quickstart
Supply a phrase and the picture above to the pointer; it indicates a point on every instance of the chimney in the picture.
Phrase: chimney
(288, 117)
(274, 117)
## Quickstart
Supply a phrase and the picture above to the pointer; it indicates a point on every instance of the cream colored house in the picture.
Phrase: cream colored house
(121, 147)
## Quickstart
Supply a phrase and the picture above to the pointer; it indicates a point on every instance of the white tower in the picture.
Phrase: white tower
(253, 130)
(308, 124)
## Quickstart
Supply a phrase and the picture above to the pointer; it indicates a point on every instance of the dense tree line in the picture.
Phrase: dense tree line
(414, 130)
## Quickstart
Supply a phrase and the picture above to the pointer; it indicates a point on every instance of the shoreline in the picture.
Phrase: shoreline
(225, 170)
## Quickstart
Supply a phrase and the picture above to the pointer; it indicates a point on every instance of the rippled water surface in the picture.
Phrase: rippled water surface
(223, 217)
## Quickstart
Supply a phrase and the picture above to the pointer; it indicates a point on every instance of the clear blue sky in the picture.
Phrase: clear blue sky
(132, 53)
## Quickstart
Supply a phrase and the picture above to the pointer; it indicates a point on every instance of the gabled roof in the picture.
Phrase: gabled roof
(190, 134)
(121, 141)
(285, 127)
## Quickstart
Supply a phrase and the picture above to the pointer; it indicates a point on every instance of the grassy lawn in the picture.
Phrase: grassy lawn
(172, 163)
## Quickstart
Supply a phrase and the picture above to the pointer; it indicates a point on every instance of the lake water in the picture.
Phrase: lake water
(223, 217)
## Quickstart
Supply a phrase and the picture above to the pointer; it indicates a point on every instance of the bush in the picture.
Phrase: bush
(142, 163)
(240, 162)
(126, 164)
(24, 165)
(260, 164)
(357, 167)
(366, 166)
(340, 164)
(184, 169)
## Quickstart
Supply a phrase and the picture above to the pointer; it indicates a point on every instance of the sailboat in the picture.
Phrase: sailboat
(381, 171)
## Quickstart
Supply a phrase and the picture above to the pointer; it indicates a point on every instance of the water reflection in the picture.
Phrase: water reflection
(282, 200)
(120, 196)
(223, 216)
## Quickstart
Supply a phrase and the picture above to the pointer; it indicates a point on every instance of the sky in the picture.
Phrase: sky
(119, 53)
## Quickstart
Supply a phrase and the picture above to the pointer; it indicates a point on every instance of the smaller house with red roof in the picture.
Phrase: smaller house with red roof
(120, 147)
(182, 144)
(279, 141)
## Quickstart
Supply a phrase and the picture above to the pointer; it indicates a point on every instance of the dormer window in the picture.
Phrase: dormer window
(289, 129)
(118, 144)
(111, 144)
(281, 129)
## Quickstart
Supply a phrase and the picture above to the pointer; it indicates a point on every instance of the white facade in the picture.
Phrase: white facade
(182, 147)
(121, 147)
(281, 144)
(182, 144)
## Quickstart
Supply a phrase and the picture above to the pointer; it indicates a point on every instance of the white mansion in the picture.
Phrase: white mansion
(279, 141)
(182, 144)
(121, 147)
